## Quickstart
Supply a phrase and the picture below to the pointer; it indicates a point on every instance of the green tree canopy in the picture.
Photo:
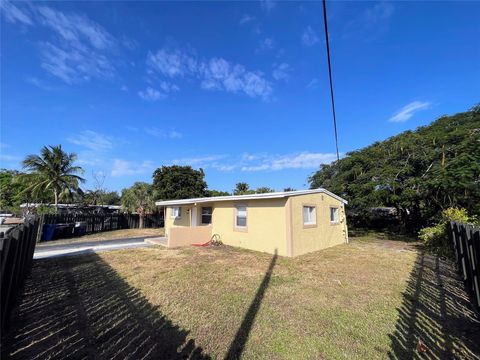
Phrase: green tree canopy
(418, 172)
(179, 182)
(53, 172)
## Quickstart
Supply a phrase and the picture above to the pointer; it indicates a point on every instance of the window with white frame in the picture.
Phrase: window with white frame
(176, 212)
(334, 215)
(241, 216)
(309, 215)
(207, 215)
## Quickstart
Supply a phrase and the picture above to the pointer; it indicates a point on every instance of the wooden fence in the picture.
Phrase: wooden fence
(99, 223)
(16, 254)
(466, 245)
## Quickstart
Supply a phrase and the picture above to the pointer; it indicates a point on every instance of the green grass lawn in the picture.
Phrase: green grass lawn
(370, 299)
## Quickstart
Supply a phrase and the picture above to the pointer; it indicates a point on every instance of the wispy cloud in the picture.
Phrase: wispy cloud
(309, 37)
(266, 44)
(304, 160)
(122, 167)
(313, 84)
(10, 158)
(92, 140)
(213, 74)
(151, 94)
(246, 18)
(259, 162)
(78, 49)
(409, 110)
(371, 23)
(124, 88)
(268, 5)
(281, 71)
(163, 134)
(13, 14)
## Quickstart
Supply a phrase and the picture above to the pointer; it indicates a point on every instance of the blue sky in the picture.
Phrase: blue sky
(237, 88)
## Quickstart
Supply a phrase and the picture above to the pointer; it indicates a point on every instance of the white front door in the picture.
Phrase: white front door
(194, 216)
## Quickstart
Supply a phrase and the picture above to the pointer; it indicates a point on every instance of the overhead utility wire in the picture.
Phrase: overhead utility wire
(330, 75)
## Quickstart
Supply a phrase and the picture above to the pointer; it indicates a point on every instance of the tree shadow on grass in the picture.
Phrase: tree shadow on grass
(437, 311)
(81, 308)
(241, 337)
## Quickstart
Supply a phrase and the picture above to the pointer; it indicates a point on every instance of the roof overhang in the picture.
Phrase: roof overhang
(274, 195)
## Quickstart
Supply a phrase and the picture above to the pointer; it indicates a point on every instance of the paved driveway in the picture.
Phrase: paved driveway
(45, 250)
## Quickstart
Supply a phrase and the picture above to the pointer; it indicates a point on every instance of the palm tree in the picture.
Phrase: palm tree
(139, 198)
(53, 171)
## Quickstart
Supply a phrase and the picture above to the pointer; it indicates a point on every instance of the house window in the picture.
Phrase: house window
(176, 212)
(241, 216)
(309, 215)
(334, 215)
(206, 215)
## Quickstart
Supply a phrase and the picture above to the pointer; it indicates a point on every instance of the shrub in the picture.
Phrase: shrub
(436, 237)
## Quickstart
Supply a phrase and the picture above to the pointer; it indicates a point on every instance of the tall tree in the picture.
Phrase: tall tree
(53, 172)
(179, 182)
(139, 198)
(419, 172)
(242, 188)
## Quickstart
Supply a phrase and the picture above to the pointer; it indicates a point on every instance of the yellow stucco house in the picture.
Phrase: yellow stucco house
(290, 223)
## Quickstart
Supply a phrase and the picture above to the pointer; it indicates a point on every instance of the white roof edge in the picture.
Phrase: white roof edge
(274, 195)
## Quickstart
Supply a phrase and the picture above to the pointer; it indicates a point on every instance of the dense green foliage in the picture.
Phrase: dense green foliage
(179, 182)
(211, 193)
(436, 237)
(418, 172)
(53, 172)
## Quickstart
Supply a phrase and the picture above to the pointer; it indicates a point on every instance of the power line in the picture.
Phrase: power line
(330, 75)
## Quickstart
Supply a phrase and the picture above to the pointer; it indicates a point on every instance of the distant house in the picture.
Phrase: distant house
(290, 223)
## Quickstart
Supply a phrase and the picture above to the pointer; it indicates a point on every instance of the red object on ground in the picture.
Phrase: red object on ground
(204, 244)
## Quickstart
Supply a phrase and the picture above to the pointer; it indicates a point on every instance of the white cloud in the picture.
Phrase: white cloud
(151, 94)
(213, 74)
(304, 160)
(409, 110)
(124, 88)
(127, 168)
(13, 14)
(163, 134)
(267, 5)
(267, 44)
(92, 140)
(309, 37)
(172, 63)
(78, 49)
(281, 71)
(259, 162)
(246, 18)
(219, 74)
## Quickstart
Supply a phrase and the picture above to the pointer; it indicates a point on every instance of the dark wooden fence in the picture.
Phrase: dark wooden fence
(466, 245)
(99, 223)
(16, 254)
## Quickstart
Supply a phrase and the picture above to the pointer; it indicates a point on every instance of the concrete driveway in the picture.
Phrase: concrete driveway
(44, 250)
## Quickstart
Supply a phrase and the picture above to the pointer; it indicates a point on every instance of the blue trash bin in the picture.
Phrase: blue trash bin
(48, 231)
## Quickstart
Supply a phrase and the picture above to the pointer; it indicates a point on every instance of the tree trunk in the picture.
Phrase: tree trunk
(55, 193)
(142, 218)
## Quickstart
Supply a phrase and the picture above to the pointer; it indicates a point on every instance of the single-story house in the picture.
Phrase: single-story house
(289, 223)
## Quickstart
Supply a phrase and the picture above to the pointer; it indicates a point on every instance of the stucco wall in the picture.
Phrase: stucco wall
(324, 234)
(170, 222)
(266, 226)
(183, 236)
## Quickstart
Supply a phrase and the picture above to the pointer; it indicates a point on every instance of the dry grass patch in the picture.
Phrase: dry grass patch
(370, 299)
